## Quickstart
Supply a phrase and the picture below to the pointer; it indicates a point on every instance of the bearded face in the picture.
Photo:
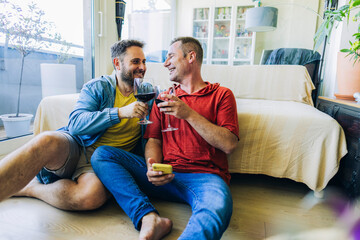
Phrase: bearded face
(132, 65)
(127, 75)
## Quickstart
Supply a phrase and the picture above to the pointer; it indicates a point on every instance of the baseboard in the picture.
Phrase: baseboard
(10, 145)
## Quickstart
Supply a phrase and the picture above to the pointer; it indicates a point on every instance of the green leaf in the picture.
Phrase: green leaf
(344, 8)
(319, 39)
(329, 28)
(345, 50)
(355, 3)
(338, 18)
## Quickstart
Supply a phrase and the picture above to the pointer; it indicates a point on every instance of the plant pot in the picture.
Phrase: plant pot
(348, 77)
(57, 79)
(16, 126)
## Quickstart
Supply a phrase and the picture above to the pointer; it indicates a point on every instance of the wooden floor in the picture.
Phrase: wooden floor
(263, 207)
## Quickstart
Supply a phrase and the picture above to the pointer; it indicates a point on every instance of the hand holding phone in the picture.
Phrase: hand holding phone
(164, 168)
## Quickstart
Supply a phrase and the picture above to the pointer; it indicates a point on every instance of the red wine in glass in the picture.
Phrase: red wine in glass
(145, 97)
(144, 91)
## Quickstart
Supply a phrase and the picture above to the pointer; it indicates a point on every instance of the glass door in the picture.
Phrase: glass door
(221, 35)
(244, 40)
(201, 29)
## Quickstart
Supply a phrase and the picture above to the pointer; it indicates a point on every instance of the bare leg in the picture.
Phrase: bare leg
(19, 167)
(154, 227)
(86, 193)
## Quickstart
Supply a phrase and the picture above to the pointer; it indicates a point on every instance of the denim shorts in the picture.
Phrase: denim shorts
(76, 163)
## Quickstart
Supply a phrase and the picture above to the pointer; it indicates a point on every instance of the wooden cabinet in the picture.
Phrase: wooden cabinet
(221, 32)
(347, 114)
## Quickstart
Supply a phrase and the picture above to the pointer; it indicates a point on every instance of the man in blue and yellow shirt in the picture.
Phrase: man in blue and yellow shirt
(105, 114)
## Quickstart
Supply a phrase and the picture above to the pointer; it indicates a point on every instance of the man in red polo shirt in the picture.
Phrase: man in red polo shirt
(207, 129)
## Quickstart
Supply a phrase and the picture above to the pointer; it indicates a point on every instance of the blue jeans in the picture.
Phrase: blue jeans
(124, 175)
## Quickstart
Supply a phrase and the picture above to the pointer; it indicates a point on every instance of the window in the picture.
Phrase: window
(63, 18)
(152, 22)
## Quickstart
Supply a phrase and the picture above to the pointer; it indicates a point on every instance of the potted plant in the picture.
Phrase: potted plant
(26, 30)
(348, 59)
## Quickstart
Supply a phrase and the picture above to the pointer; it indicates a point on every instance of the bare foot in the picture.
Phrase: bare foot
(27, 189)
(154, 227)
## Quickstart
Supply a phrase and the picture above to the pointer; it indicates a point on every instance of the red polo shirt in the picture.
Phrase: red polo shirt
(184, 148)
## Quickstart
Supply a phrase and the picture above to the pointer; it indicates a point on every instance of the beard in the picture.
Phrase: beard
(127, 75)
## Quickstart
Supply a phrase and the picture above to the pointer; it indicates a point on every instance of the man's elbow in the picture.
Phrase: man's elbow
(231, 147)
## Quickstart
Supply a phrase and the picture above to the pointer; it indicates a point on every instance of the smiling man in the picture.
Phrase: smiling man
(105, 114)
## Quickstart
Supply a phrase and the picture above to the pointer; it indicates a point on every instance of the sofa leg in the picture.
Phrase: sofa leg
(319, 194)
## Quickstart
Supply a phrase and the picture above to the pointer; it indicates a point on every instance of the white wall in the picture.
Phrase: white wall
(295, 29)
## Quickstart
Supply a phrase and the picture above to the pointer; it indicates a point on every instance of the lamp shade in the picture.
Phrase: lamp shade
(261, 19)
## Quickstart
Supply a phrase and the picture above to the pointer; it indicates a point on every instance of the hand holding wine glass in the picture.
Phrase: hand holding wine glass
(144, 92)
(170, 128)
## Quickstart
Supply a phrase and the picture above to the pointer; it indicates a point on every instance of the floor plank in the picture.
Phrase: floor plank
(263, 207)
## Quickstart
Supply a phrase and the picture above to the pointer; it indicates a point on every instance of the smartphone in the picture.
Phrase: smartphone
(158, 101)
(165, 168)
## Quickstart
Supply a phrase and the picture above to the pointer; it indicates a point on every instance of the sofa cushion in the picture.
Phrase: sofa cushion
(269, 82)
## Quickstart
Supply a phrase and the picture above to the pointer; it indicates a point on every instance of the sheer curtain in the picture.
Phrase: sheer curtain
(151, 22)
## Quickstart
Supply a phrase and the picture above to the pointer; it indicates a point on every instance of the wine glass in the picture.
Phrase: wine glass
(170, 128)
(144, 92)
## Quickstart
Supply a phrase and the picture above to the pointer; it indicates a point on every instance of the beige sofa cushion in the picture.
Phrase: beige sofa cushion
(269, 82)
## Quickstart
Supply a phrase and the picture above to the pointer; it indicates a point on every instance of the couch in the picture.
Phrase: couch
(281, 133)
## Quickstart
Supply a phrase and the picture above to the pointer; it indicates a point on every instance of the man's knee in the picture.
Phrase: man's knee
(90, 200)
(224, 206)
(90, 193)
(99, 153)
(217, 205)
(98, 156)
(51, 148)
(220, 208)
(48, 142)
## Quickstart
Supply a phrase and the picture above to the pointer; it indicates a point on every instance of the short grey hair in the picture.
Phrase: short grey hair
(190, 44)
